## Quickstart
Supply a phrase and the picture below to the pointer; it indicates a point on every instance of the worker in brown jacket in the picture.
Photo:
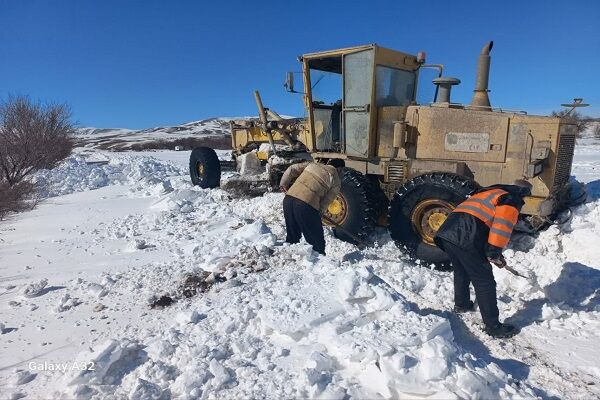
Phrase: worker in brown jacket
(310, 187)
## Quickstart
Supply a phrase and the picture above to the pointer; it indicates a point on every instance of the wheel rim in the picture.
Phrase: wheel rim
(428, 216)
(337, 210)
(200, 169)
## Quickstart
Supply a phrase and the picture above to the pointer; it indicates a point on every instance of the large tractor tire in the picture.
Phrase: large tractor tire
(205, 169)
(420, 207)
(379, 203)
(352, 209)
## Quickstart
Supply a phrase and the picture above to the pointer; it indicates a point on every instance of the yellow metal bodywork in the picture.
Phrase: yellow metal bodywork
(262, 155)
(406, 141)
(382, 56)
(513, 141)
(244, 133)
(532, 205)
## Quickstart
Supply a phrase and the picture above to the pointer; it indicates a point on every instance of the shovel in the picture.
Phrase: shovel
(507, 267)
(514, 272)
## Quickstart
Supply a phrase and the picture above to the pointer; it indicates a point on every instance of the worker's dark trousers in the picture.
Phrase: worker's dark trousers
(473, 267)
(302, 219)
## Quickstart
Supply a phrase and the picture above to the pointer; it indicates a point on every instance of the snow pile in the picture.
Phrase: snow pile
(76, 175)
(311, 327)
(280, 321)
(249, 164)
(106, 365)
(35, 289)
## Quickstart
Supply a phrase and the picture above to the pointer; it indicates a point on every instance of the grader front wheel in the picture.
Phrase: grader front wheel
(205, 168)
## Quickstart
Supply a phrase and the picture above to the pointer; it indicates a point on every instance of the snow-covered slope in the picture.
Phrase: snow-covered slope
(213, 130)
(80, 271)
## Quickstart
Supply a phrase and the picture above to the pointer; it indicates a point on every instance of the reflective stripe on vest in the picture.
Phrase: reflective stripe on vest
(482, 205)
(504, 221)
(500, 219)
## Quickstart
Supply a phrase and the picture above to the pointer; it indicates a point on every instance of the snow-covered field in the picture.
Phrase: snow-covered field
(78, 275)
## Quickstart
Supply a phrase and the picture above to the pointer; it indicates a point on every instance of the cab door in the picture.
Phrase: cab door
(356, 107)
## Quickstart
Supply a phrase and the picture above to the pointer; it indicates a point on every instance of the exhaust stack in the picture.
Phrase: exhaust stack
(481, 99)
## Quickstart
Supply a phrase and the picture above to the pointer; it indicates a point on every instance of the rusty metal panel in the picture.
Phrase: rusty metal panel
(375, 168)
(386, 117)
(360, 166)
(310, 142)
(527, 132)
(437, 125)
(420, 167)
(485, 173)
(395, 59)
(532, 205)
(337, 52)
(384, 56)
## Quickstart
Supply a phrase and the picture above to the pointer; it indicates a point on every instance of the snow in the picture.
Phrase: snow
(249, 164)
(76, 174)
(118, 230)
(120, 138)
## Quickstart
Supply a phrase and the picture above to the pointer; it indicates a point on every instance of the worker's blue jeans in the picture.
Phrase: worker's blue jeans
(302, 219)
(472, 267)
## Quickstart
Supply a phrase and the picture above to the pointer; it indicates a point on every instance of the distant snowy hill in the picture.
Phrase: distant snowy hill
(213, 132)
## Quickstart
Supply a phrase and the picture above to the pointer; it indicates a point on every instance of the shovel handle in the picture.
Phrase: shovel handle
(514, 272)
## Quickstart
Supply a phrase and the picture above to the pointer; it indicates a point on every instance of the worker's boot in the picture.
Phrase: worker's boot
(468, 308)
(501, 330)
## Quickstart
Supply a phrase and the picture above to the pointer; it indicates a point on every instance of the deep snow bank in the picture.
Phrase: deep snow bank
(307, 327)
(75, 174)
(288, 323)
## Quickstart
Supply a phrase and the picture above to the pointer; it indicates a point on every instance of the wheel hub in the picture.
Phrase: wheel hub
(200, 168)
(428, 216)
(337, 210)
(436, 219)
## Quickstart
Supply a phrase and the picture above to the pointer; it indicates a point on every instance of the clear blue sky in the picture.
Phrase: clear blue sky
(146, 63)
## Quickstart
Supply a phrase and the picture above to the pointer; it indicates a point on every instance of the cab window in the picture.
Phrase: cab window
(395, 87)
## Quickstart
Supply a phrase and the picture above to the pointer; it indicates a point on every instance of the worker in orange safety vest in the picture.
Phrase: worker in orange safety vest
(473, 236)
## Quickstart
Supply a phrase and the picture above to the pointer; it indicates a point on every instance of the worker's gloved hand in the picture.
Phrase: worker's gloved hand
(499, 262)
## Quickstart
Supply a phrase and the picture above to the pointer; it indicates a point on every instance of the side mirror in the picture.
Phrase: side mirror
(289, 82)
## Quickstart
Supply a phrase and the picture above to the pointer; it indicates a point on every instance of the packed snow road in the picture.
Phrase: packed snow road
(79, 273)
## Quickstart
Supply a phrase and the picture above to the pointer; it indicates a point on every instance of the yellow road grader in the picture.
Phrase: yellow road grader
(407, 164)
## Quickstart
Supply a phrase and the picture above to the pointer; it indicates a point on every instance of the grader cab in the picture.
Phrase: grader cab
(408, 164)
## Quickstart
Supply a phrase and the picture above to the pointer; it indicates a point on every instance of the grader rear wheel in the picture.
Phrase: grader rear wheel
(419, 209)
